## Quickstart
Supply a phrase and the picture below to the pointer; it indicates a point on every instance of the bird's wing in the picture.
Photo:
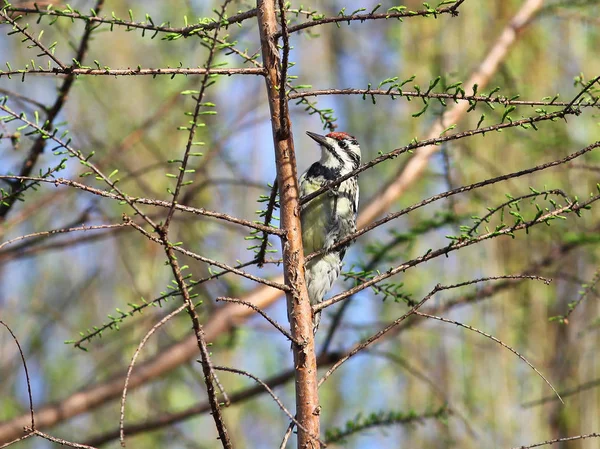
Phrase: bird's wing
(313, 216)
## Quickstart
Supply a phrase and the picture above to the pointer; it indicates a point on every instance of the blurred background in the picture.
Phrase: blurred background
(51, 289)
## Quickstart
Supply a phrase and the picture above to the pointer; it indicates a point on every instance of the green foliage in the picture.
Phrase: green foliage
(384, 418)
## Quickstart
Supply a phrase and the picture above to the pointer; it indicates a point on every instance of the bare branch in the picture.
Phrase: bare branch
(95, 19)
(413, 169)
(529, 121)
(62, 231)
(27, 378)
(230, 269)
(258, 310)
(500, 342)
(299, 310)
(210, 377)
(396, 92)
(573, 207)
(52, 113)
(375, 16)
(560, 440)
(148, 201)
(457, 191)
(29, 37)
(132, 72)
(271, 393)
(132, 364)
(194, 120)
(414, 310)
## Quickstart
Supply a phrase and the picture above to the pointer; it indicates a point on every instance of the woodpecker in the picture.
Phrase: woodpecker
(331, 216)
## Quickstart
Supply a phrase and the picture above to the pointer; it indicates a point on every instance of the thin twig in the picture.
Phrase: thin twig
(395, 92)
(148, 201)
(133, 72)
(95, 19)
(261, 312)
(45, 135)
(60, 441)
(29, 37)
(138, 308)
(574, 207)
(132, 364)
(589, 85)
(209, 375)
(271, 393)
(62, 231)
(456, 191)
(563, 393)
(216, 263)
(414, 310)
(433, 141)
(287, 435)
(491, 337)
(371, 16)
(560, 440)
(27, 378)
(194, 119)
(52, 113)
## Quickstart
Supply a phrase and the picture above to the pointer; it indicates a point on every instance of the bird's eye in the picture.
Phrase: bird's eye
(343, 144)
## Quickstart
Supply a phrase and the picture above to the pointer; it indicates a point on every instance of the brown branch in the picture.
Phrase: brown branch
(72, 72)
(299, 310)
(132, 364)
(40, 143)
(560, 440)
(194, 120)
(27, 378)
(148, 201)
(414, 310)
(94, 19)
(206, 260)
(436, 141)
(210, 378)
(573, 207)
(62, 231)
(417, 164)
(396, 92)
(457, 191)
(60, 441)
(261, 312)
(494, 339)
(29, 37)
(168, 419)
(374, 16)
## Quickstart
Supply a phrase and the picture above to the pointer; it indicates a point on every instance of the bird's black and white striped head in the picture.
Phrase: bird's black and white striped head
(339, 151)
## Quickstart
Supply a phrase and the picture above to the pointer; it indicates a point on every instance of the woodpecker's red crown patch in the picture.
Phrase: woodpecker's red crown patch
(340, 136)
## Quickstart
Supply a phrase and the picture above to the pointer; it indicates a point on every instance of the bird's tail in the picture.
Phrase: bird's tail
(321, 273)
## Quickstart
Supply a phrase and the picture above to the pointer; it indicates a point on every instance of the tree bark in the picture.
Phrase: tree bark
(300, 311)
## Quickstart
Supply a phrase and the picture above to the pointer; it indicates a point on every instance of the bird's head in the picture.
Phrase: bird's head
(338, 149)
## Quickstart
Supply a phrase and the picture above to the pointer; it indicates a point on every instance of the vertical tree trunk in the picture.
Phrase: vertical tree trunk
(300, 312)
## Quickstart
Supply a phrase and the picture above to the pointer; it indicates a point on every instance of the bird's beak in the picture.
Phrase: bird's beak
(321, 140)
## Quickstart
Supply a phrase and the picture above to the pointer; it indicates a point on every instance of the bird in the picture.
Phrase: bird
(331, 216)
